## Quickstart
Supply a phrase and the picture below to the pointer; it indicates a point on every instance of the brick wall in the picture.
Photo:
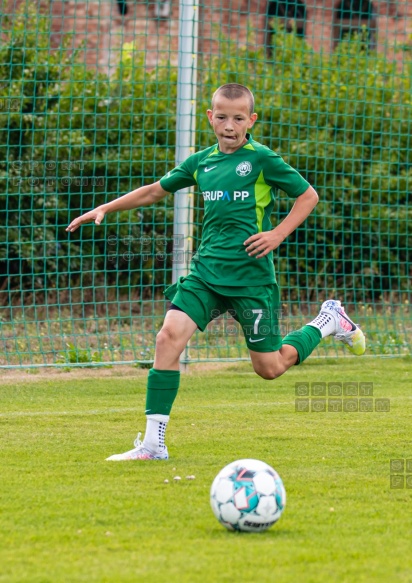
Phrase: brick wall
(99, 24)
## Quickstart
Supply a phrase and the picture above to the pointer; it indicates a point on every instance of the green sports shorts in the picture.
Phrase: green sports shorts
(256, 308)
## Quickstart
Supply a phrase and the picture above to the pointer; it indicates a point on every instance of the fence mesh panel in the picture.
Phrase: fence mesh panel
(88, 113)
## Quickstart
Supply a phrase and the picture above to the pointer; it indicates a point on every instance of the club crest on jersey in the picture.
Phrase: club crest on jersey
(244, 168)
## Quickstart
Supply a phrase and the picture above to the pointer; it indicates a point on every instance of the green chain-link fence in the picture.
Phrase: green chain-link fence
(88, 101)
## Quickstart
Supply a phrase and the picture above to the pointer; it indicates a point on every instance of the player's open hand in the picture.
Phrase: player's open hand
(263, 243)
(96, 215)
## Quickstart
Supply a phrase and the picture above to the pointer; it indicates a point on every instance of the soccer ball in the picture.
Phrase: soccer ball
(247, 495)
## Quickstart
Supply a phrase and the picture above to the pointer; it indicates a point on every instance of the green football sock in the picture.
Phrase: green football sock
(304, 340)
(162, 387)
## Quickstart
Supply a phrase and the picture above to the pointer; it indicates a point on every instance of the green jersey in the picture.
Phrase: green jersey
(239, 194)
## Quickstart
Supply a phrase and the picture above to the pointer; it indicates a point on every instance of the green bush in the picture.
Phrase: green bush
(344, 120)
(78, 138)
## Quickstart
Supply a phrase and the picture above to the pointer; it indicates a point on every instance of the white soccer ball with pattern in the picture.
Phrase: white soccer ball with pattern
(248, 495)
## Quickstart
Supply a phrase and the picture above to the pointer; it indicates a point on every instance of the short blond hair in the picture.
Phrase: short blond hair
(235, 91)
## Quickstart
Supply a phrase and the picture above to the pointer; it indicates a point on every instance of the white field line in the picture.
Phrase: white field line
(13, 414)
(66, 413)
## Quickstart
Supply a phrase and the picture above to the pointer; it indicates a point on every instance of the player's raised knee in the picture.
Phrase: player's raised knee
(270, 372)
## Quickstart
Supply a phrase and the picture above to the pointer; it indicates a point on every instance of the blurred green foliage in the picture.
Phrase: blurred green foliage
(72, 139)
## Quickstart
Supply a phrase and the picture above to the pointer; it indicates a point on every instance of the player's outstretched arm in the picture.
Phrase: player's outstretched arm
(143, 196)
(263, 243)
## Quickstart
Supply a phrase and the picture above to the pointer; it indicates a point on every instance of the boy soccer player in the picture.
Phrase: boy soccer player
(233, 267)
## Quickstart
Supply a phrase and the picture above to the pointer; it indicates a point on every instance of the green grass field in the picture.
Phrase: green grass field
(67, 515)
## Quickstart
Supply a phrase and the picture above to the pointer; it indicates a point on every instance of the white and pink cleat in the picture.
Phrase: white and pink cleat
(140, 452)
(332, 316)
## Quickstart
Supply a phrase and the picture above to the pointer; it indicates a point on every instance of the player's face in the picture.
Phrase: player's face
(230, 120)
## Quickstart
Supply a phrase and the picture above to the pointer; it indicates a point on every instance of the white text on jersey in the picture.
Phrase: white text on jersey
(224, 195)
